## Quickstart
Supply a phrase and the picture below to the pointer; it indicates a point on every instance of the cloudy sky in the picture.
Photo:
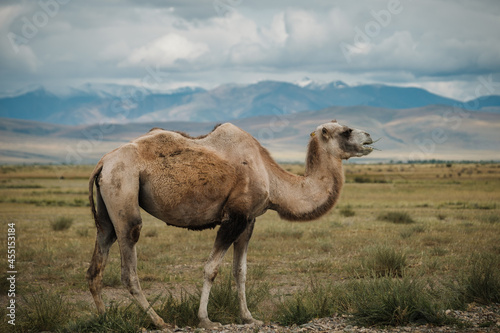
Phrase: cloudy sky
(448, 47)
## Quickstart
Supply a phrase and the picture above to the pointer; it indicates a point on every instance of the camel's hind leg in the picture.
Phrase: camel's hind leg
(120, 193)
(128, 234)
(228, 232)
(106, 236)
(240, 272)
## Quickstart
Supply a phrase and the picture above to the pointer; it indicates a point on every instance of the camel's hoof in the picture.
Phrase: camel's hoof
(161, 325)
(253, 322)
(208, 324)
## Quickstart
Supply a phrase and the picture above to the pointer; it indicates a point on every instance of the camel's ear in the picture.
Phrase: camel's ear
(334, 120)
(324, 132)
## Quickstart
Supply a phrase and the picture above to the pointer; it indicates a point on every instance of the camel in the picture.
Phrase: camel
(226, 179)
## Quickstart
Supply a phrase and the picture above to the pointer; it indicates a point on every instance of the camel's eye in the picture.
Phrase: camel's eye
(347, 133)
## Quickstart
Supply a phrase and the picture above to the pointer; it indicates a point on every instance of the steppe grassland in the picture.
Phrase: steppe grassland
(455, 211)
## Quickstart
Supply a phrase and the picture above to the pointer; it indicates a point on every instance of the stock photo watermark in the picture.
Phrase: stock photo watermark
(452, 120)
(11, 273)
(226, 7)
(47, 9)
(277, 124)
(371, 30)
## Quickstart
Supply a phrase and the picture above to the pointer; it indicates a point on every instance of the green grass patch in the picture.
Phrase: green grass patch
(62, 223)
(20, 186)
(347, 211)
(47, 202)
(492, 219)
(468, 205)
(368, 180)
(396, 217)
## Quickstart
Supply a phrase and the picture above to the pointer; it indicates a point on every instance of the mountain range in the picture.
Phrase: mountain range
(413, 124)
(430, 132)
(123, 104)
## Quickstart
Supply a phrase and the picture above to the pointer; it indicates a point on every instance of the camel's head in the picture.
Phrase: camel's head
(343, 141)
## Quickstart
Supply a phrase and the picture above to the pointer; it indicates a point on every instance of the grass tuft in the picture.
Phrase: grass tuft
(317, 301)
(62, 223)
(385, 261)
(393, 302)
(481, 282)
(151, 233)
(183, 312)
(223, 305)
(396, 217)
(347, 211)
(112, 277)
(129, 319)
(294, 312)
(43, 312)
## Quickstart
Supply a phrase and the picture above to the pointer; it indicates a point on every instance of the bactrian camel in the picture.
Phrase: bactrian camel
(225, 179)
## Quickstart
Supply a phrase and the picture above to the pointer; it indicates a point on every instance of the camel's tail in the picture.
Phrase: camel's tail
(92, 180)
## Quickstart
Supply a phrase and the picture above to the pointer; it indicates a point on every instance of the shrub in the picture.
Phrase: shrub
(62, 223)
(396, 217)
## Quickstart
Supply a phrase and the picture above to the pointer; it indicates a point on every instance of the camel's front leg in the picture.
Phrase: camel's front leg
(240, 272)
(228, 232)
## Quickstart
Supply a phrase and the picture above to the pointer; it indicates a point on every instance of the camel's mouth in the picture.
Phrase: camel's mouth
(367, 146)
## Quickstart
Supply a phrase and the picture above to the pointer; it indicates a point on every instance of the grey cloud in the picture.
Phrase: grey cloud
(403, 42)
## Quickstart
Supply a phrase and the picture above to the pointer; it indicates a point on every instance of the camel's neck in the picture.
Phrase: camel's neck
(306, 198)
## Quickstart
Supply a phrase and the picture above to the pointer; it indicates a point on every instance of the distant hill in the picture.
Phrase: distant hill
(94, 105)
(429, 132)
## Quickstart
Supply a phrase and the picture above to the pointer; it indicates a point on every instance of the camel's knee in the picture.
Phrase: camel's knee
(96, 264)
(134, 233)
(131, 230)
(210, 272)
(92, 272)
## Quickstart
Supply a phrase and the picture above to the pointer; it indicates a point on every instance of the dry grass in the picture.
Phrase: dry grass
(454, 216)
